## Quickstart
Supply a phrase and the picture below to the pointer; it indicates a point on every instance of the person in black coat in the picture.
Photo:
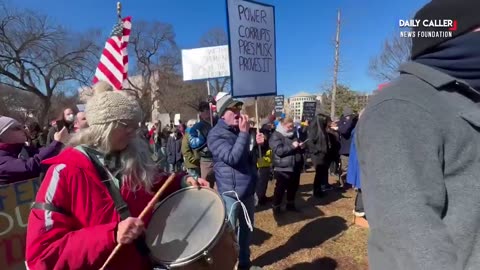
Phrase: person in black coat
(287, 161)
(347, 123)
(320, 149)
(334, 138)
(174, 151)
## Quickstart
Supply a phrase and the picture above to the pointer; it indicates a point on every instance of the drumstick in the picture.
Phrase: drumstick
(147, 209)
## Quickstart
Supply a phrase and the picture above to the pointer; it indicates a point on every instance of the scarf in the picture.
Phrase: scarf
(282, 131)
(458, 57)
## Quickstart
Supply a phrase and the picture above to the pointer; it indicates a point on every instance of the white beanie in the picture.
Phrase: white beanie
(107, 106)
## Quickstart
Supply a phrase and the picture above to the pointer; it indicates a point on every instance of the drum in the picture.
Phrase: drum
(189, 230)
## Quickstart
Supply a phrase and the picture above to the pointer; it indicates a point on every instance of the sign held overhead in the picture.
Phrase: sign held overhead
(251, 33)
(205, 63)
(279, 105)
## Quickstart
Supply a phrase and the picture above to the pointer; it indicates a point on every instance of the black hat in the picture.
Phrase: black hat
(465, 12)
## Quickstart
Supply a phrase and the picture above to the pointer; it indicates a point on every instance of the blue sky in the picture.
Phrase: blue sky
(305, 31)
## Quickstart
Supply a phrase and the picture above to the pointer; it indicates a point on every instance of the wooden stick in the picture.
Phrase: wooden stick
(146, 210)
(258, 127)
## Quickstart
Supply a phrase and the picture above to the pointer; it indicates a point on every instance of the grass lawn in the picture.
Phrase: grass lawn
(320, 237)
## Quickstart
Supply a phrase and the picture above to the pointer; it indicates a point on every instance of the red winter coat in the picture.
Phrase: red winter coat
(86, 238)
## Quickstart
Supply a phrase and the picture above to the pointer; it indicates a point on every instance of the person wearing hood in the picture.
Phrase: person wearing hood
(67, 120)
(287, 162)
(15, 166)
(94, 191)
(347, 123)
(418, 144)
(319, 146)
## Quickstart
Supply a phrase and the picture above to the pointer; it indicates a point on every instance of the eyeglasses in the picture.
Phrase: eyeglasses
(235, 109)
(128, 125)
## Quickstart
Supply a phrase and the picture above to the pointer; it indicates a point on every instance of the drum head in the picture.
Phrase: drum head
(184, 225)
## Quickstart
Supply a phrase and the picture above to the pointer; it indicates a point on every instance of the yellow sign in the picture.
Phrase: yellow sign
(15, 200)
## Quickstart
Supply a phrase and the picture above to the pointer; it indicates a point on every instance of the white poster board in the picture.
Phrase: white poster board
(176, 119)
(205, 63)
(251, 32)
(164, 118)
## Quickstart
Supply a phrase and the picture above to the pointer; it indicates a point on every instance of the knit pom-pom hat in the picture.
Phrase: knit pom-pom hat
(107, 106)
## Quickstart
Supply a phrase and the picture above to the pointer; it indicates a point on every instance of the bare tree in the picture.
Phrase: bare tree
(176, 96)
(17, 104)
(157, 57)
(396, 51)
(26, 106)
(216, 37)
(265, 106)
(39, 57)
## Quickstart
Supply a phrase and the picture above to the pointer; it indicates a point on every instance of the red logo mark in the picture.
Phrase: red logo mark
(454, 28)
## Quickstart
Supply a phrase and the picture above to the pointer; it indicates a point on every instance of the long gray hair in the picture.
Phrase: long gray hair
(137, 166)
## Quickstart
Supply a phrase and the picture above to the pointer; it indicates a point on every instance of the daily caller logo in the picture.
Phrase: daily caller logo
(449, 27)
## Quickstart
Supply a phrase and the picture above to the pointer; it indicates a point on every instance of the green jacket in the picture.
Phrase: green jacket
(191, 157)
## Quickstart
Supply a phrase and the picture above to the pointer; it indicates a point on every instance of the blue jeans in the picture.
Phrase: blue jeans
(244, 235)
(174, 168)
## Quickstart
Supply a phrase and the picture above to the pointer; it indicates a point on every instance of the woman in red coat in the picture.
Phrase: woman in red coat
(74, 223)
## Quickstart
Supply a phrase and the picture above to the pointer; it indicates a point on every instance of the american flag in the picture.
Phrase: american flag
(113, 64)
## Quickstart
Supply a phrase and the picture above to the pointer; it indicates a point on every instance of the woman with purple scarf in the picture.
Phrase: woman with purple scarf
(19, 162)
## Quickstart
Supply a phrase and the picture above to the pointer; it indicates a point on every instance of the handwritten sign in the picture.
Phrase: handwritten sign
(15, 200)
(309, 110)
(205, 63)
(279, 105)
(251, 27)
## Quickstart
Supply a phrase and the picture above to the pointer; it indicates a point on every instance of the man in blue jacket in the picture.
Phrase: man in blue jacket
(198, 142)
(235, 170)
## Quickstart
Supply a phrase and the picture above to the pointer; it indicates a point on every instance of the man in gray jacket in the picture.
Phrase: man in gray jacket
(419, 151)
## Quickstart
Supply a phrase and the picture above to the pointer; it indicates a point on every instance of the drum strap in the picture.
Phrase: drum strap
(120, 204)
(107, 180)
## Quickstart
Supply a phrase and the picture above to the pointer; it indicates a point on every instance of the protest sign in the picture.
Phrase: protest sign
(279, 105)
(251, 33)
(15, 201)
(309, 110)
(176, 119)
(205, 63)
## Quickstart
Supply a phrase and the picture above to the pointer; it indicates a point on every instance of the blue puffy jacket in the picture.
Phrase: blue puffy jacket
(353, 173)
(233, 164)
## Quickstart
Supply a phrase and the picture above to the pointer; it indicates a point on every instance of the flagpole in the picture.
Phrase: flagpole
(119, 11)
(209, 93)
(258, 127)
